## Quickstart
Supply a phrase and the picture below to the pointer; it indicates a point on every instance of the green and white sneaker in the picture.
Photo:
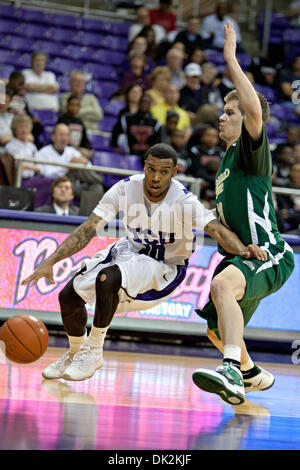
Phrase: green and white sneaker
(226, 381)
(257, 379)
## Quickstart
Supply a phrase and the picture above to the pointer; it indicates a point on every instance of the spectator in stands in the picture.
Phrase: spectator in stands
(132, 99)
(225, 85)
(287, 78)
(61, 152)
(170, 126)
(293, 13)
(90, 110)
(21, 144)
(140, 130)
(143, 19)
(18, 105)
(159, 111)
(178, 143)
(194, 97)
(174, 64)
(283, 158)
(149, 34)
(139, 45)
(197, 57)
(78, 134)
(136, 74)
(5, 119)
(191, 96)
(212, 29)
(206, 150)
(291, 140)
(289, 204)
(163, 16)
(208, 78)
(297, 153)
(41, 85)
(62, 193)
(190, 36)
(160, 80)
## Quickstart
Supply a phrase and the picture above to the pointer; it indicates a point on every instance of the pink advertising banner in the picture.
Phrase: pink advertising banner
(21, 251)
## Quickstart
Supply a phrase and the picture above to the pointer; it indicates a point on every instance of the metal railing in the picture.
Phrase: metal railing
(194, 182)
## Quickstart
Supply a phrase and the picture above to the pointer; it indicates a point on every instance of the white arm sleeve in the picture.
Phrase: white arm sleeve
(201, 215)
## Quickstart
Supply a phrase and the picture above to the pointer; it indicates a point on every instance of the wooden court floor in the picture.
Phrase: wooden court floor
(140, 402)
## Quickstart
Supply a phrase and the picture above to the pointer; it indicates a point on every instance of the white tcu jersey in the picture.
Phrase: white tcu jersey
(165, 230)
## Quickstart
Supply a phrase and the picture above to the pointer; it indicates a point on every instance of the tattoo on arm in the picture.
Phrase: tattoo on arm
(78, 239)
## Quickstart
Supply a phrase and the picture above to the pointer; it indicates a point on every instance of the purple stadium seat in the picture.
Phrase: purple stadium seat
(63, 81)
(216, 57)
(108, 57)
(43, 187)
(47, 117)
(269, 93)
(24, 61)
(63, 66)
(34, 31)
(244, 60)
(292, 35)
(133, 162)
(104, 89)
(113, 107)
(284, 112)
(77, 52)
(89, 39)
(5, 71)
(47, 131)
(106, 124)
(17, 43)
(106, 72)
(8, 27)
(49, 47)
(100, 142)
(273, 126)
(113, 42)
(7, 11)
(111, 160)
(61, 19)
(92, 24)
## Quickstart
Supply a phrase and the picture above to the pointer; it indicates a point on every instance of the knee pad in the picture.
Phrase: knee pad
(109, 280)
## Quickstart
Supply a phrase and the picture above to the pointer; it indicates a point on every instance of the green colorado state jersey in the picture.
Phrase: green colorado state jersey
(244, 193)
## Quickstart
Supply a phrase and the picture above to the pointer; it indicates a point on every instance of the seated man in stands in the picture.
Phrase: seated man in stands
(212, 29)
(90, 110)
(174, 64)
(289, 204)
(159, 111)
(21, 144)
(190, 36)
(5, 119)
(143, 19)
(62, 193)
(164, 16)
(78, 134)
(136, 74)
(287, 79)
(140, 130)
(61, 152)
(41, 85)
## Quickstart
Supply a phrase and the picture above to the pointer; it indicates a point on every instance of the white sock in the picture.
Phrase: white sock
(75, 342)
(231, 351)
(97, 336)
(247, 365)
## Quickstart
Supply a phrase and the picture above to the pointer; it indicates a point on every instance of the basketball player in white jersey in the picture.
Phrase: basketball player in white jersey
(137, 272)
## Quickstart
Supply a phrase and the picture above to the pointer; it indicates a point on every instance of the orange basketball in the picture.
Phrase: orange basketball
(25, 337)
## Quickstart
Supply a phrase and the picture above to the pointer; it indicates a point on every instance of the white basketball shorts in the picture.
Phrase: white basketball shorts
(146, 282)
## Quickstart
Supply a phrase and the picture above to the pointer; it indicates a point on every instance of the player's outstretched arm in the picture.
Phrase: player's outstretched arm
(231, 243)
(74, 243)
(248, 98)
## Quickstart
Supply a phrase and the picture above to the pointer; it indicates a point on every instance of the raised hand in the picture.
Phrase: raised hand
(230, 42)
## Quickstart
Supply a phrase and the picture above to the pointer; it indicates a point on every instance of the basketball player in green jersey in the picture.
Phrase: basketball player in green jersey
(244, 204)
